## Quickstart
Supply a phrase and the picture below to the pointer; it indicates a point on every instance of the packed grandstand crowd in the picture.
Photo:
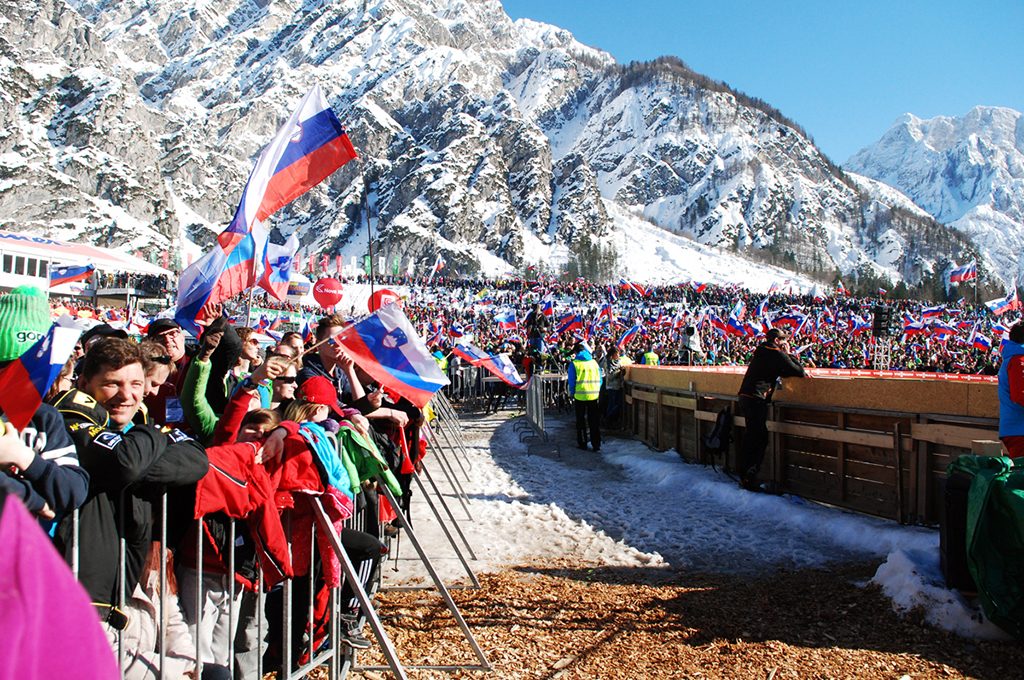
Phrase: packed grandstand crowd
(688, 323)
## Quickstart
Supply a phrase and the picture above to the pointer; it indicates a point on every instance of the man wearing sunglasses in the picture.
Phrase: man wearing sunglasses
(165, 406)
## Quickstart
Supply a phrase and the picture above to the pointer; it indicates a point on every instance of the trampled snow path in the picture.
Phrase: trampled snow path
(633, 507)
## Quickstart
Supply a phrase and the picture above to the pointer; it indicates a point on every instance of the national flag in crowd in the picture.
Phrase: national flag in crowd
(25, 381)
(965, 273)
(628, 336)
(568, 323)
(932, 312)
(774, 288)
(1002, 305)
(840, 288)
(456, 331)
(386, 346)
(471, 353)
(547, 307)
(612, 295)
(635, 287)
(506, 370)
(882, 292)
(70, 274)
(858, 324)
(981, 342)
(277, 266)
(506, 320)
(306, 149)
(263, 323)
(139, 323)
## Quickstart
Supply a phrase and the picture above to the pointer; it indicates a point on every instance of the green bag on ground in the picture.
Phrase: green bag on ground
(995, 536)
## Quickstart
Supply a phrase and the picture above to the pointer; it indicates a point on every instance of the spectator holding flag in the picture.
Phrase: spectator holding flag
(40, 463)
(1011, 392)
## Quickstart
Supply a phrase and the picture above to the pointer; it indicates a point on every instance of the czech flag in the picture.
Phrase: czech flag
(308, 147)
(386, 346)
(60, 275)
(965, 273)
(25, 381)
(277, 266)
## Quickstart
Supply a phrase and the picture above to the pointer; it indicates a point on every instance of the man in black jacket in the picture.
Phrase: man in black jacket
(770, 362)
(129, 467)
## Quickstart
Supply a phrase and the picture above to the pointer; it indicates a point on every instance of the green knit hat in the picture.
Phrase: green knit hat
(24, 318)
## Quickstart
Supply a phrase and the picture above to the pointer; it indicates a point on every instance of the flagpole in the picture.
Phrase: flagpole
(248, 308)
(369, 230)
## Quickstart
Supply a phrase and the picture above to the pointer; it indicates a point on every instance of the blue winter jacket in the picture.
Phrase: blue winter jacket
(1011, 414)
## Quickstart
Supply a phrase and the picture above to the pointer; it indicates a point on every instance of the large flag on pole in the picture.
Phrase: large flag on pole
(308, 148)
(386, 346)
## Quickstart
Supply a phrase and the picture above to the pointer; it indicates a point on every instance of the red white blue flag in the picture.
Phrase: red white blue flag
(386, 346)
(25, 381)
(965, 273)
(277, 266)
(308, 148)
(69, 274)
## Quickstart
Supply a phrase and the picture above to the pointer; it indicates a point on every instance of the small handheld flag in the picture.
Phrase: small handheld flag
(26, 380)
(70, 274)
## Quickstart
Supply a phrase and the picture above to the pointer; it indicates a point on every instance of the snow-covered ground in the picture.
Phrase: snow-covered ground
(630, 506)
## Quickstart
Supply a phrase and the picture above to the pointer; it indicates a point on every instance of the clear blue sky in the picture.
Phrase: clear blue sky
(842, 70)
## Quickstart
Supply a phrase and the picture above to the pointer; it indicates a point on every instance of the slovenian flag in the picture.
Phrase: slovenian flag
(470, 353)
(25, 381)
(1004, 304)
(277, 266)
(568, 323)
(932, 312)
(386, 346)
(309, 147)
(506, 321)
(69, 274)
(981, 342)
(965, 273)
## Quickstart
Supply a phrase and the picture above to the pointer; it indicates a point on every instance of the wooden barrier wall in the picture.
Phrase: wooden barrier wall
(874, 445)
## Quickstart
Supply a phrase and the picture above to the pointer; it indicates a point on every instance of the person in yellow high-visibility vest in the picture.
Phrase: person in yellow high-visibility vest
(585, 388)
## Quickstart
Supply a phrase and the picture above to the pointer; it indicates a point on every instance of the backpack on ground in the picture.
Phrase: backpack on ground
(716, 442)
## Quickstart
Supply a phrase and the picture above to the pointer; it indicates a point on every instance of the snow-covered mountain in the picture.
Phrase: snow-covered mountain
(500, 143)
(967, 172)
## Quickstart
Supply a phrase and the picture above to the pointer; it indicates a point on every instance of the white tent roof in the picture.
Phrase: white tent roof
(59, 252)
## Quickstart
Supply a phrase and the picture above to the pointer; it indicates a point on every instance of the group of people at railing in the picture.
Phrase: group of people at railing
(227, 434)
(155, 284)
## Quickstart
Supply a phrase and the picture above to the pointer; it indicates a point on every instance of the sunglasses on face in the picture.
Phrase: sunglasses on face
(161, 359)
(252, 341)
(287, 379)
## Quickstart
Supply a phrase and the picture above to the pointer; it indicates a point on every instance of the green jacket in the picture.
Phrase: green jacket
(365, 457)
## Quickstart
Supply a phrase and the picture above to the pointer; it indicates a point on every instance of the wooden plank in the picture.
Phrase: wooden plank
(841, 458)
(644, 395)
(832, 434)
(679, 402)
(951, 435)
(793, 414)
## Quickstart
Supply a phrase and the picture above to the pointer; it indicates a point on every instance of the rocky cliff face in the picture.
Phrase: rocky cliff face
(500, 143)
(968, 172)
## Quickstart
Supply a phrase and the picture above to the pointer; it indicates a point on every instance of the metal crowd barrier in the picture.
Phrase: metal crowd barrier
(339, 658)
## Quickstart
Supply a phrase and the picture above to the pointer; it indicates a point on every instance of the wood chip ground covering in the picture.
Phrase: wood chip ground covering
(564, 622)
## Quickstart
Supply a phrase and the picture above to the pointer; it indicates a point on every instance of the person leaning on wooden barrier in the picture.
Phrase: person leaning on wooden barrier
(770, 362)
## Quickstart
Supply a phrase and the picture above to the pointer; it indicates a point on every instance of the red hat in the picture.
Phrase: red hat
(319, 390)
